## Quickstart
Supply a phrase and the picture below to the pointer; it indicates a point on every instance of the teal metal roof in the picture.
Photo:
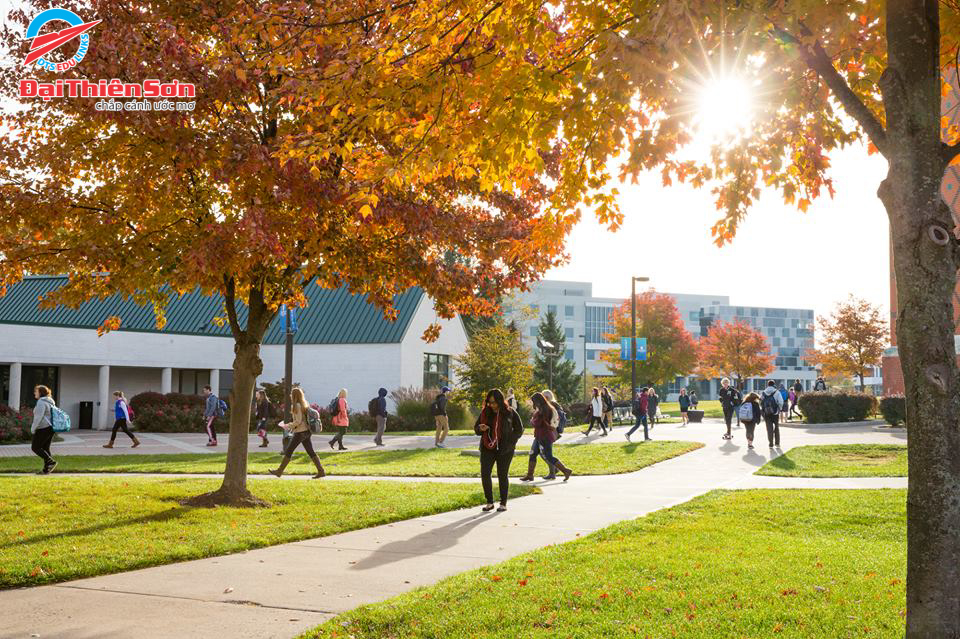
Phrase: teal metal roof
(332, 317)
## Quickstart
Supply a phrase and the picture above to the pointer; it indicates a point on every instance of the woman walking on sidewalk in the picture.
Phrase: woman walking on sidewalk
(121, 415)
(545, 421)
(300, 427)
(750, 416)
(499, 428)
(42, 428)
(596, 412)
(684, 401)
(340, 420)
(264, 412)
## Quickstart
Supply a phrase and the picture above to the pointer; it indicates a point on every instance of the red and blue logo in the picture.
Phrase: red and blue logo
(42, 45)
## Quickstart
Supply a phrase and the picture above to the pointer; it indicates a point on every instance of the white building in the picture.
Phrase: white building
(342, 342)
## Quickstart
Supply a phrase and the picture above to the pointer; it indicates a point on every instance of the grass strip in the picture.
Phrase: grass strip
(840, 460)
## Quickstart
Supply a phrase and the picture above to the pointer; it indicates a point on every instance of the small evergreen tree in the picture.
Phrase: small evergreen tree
(566, 380)
(495, 358)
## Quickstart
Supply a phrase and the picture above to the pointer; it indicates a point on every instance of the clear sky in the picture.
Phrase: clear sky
(780, 257)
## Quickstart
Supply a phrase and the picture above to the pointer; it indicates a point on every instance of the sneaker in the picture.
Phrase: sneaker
(438, 445)
(49, 468)
(627, 436)
(211, 443)
(502, 508)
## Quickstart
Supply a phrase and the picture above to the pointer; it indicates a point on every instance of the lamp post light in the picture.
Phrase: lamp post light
(549, 351)
(584, 336)
(633, 334)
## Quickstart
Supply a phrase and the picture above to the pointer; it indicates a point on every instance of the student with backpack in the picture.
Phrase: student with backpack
(785, 405)
(607, 400)
(596, 412)
(641, 403)
(42, 428)
(212, 409)
(749, 414)
(263, 414)
(339, 418)
(545, 421)
(305, 421)
(730, 399)
(123, 419)
(561, 414)
(771, 403)
(653, 401)
(439, 411)
(499, 428)
(377, 407)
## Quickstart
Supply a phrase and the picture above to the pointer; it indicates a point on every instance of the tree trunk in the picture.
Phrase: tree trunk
(862, 385)
(926, 277)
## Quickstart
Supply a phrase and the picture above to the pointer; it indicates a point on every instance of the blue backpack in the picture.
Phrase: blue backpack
(221, 408)
(59, 419)
(561, 418)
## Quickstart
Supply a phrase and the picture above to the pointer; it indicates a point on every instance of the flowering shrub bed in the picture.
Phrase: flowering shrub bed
(15, 425)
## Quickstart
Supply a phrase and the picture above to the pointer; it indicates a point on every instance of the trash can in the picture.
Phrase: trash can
(86, 415)
(695, 416)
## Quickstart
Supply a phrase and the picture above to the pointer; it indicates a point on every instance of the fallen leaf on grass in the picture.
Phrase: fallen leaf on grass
(788, 592)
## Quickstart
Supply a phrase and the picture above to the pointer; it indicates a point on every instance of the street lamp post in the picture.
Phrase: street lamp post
(288, 367)
(584, 336)
(633, 334)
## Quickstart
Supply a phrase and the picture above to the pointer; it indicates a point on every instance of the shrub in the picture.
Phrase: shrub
(142, 401)
(415, 414)
(14, 425)
(577, 413)
(835, 406)
(171, 413)
(894, 410)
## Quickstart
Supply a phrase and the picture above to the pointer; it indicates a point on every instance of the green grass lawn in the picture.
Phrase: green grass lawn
(841, 460)
(54, 529)
(585, 459)
(758, 563)
(710, 408)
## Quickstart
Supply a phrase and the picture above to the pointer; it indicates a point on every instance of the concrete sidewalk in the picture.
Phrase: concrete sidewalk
(283, 590)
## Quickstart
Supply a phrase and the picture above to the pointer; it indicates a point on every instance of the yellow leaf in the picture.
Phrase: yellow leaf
(366, 211)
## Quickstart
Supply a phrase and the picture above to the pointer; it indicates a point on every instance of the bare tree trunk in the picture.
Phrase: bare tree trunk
(926, 277)
(862, 385)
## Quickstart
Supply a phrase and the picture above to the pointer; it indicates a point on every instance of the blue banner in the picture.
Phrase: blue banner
(283, 319)
(641, 346)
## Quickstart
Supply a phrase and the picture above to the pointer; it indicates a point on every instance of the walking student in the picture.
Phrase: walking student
(684, 401)
(793, 397)
(122, 421)
(607, 399)
(596, 413)
(641, 404)
(771, 404)
(561, 414)
(730, 399)
(263, 414)
(42, 428)
(511, 399)
(211, 410)
(820, 385)
(340, 419)
(653, 401)
(694, 400)
(749, 414)
(439, 410)
(379, 406)
(545, 421)
(499, 428)
(785, 404)
(304, 421)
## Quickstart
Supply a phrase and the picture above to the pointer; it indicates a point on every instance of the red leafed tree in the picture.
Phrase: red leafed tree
(735, 350)
(332, 142)
(671, 350)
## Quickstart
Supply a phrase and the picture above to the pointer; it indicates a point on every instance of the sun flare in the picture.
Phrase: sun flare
(724, 107)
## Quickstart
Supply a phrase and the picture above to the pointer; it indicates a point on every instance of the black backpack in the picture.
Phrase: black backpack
(435, 407)
(561, 418)
(373, 407)
(334, 407)
(770, 408)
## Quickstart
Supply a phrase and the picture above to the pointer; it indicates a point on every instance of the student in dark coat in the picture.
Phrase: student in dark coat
(499, 428)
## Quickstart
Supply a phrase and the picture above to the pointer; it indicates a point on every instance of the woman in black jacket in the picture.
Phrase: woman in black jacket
(499, 428)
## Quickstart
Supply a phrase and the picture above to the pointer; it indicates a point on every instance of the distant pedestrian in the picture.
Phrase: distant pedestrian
(730, 399)
(596, 412)
(545, 421)
(794, 409)
(607, 400)
(440, 419)
(511, 399)
(561, 414)
(820, 385)
(653, 401)
(499, 428)
(785, 404)
(340, 420)
(798, 387)
(640, 405)
(211, 411)
(379, 411)
(305, 421)
(750, 415)
(771, 402)
(42, 428)
(694, 400)
(263, 414)
(684, 401)
(122, 420)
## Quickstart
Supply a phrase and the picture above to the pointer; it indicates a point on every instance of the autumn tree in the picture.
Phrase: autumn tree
(735, 350)
(852, 339)
(671, 351)
(496, 358)
(331, 144)
(555, 371)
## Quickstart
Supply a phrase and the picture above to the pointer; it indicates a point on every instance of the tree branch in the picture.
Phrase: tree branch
(230, 303)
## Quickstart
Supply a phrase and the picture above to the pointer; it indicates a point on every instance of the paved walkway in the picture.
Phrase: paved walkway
(282, 590)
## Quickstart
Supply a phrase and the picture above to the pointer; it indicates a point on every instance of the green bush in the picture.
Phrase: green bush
(15, 425)
(577, 413)
(171, 413)
(894, 410)
(416, 414)
(835, 406)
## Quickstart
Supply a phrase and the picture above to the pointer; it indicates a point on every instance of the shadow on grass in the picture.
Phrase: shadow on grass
(783, 462)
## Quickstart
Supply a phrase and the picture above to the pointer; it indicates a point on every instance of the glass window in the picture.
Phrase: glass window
(785, 332)
(568, 354)
(552, 308)
(5, 383)
(191, 382)
(592, 354)
(436, 370)
(598, 323)
(31, 376)
(568, 333)
(694, 315)
(754, 312)
(568, 311)
(790, 341)
(776, 341)
(534, 330)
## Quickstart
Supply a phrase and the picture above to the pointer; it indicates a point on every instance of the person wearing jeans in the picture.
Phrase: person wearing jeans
(340, 420)
(121, 414)
(640, 403)
(545, 421)
(440, 419)
(499, 428)
(381, 416)
(211, 408)
(300, 428)
(42, 428)
(730, 399)
(772, 405)
(596, 413)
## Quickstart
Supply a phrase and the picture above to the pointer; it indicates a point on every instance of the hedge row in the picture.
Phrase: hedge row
(836, 406)
(894, 410)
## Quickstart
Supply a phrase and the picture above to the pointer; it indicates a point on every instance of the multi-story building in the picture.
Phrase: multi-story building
(585, 320)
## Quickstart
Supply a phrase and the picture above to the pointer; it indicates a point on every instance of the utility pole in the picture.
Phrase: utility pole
(288, 366)
(584, 336)
(633, 335)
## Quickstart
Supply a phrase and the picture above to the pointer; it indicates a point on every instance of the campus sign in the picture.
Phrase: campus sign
(641, 348)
